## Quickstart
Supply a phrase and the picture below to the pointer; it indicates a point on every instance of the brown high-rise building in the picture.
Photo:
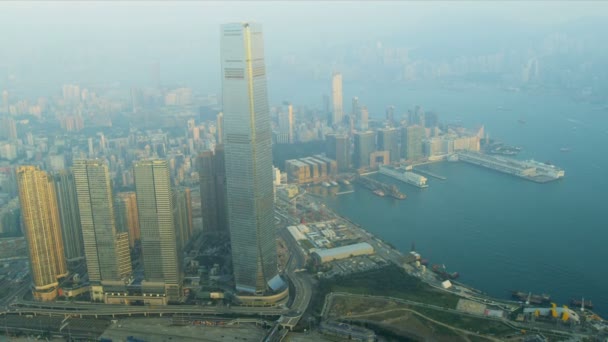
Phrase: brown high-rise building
(206, 174)
(212, 176)
(182, 214)
(42, 230)
(127, 219)
(69, 214)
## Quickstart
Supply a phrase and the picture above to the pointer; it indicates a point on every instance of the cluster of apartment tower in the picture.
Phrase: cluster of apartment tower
(73, 215)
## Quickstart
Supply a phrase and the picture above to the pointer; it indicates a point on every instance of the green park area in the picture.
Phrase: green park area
(390, 281)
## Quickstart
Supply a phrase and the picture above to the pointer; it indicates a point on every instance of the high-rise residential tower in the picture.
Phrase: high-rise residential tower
(182, 216)
(42, 231)
(109, 268)
(338, 103)
(159, 245)
(248, 159)
(127, 217)
(206, 173)
(69, 214)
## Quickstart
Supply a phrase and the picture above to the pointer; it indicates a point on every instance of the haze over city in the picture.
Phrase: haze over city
(303, 170)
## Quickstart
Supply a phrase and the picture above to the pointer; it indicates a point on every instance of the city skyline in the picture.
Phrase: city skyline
(314, 190)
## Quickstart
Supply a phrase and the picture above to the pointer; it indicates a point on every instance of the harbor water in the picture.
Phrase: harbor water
(498, 231)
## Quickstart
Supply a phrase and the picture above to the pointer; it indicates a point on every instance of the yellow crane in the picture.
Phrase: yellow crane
(553, 310)
(565, 314)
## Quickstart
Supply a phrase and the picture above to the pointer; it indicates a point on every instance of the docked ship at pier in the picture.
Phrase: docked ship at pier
(404, 176)
(379, 188)
(530, 298)
(442, 273)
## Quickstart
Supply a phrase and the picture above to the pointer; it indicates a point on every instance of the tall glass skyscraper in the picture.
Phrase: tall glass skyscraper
(42, 231)
(248, 158)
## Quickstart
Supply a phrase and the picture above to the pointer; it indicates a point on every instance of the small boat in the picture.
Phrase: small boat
(521, 121)
(565, 149)
(379, 193)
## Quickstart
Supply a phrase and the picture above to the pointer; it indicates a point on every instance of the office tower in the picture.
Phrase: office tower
(182, 216)
(363, 119)
(207, 179)
(336, 92)
(411, 142)
(390, 115)
(416, 117)
(102, 243)
(127, 217)
(431, 120)
(291, 123)
(159, 246)
(365, 144)
(248, 159)
(355, 111)
(42, 231)
(388, 140)
(338, 149)
(220, 128)
(69, 214)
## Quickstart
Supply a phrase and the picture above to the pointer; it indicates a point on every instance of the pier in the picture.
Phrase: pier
(527, 169)
(373, 184)
(430, 174)
(345, 192)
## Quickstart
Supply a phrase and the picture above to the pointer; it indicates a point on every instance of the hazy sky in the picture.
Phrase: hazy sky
(42, 37)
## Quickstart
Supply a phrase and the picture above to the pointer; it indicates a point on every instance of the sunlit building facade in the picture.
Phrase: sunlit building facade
(248, 158)
(42, 231)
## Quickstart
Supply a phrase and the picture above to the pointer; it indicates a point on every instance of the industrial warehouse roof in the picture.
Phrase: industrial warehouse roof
(344, 250)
